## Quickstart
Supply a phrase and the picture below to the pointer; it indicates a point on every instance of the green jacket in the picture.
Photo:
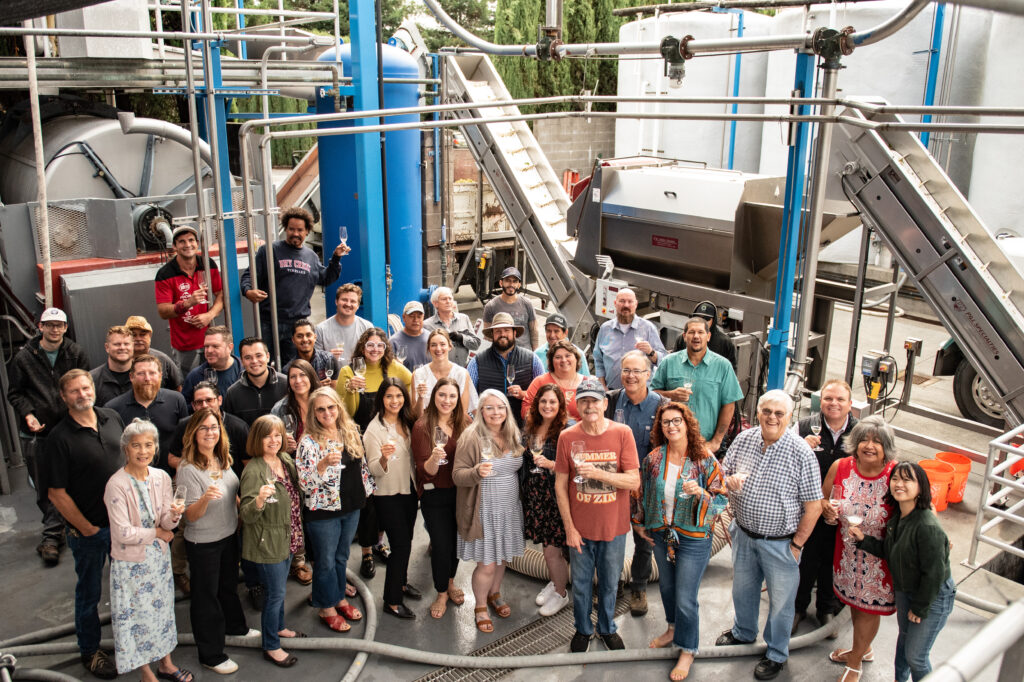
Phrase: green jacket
(917, 551)
(266, 533)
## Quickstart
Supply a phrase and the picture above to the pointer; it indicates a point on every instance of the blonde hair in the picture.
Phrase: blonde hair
(510, 433)
(349, 431)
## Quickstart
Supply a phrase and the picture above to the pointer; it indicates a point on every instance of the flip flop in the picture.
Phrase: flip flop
(839, 656)
(179, 675)
(501, 607)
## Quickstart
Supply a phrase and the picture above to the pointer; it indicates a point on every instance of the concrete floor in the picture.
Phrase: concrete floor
(35, 597)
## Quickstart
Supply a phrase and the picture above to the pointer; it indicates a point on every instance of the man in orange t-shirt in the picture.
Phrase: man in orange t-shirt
(595, 510)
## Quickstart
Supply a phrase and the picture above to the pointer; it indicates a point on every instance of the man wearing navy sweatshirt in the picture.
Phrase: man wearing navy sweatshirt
(297, 272)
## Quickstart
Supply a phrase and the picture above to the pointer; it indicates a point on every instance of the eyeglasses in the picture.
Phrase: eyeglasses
(674, 421)
(209, 429)
(779, 414)
(375, 346)
(494, 408)
(54, 325)
(634, 372)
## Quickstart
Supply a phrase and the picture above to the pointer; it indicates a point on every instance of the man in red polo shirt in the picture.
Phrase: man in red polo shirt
(182, 297)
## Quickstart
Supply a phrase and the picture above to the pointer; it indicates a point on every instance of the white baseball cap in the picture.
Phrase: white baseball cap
(53, 315)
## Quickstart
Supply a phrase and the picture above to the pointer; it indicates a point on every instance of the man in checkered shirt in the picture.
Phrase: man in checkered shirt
(775, 494)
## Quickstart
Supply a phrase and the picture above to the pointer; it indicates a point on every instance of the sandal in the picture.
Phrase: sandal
(483, 624)
(456, 595)
(350, 590)
(298, 634)
(179, 675)
(350, 612)
(839, 656)
(336, 623)
(440, 605)
(500, 606)
(847, 671)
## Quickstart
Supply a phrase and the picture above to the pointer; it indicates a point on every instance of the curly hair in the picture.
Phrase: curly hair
(190, 451)
(562, 344)
(297, 212)
(360, 351)
(533, 418)
(695, 450)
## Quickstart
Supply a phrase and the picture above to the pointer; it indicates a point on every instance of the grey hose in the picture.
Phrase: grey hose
(370, 613)
(42, 674)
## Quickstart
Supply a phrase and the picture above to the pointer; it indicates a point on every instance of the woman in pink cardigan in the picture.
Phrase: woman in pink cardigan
(142, 521)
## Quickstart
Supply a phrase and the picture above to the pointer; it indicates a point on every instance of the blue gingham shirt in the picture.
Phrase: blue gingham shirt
(782, 478)
(612, 343)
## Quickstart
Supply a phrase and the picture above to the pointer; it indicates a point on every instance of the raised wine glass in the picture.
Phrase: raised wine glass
(835, 499)
(210, 375)
(816, 429)
(578, 452)
(440, 440)
(486, 450)
(620, 416)
(343, 235)
(271, 480)
(359, 368)
(536, 450)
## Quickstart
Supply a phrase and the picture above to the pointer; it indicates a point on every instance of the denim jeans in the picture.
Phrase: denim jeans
(640, 567)
(274, 578)
(914, 643)
(678, 583)
(90, 554)
(605, 557)
(330, 540)
(763, 561)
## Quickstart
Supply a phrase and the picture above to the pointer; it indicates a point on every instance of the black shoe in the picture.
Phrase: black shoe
(100, 664)
(382, 552)
(824, 618)
(613, 642)
(366, 567)
(257, 597)
(767, 669)
(798, 618)
(288, 662)
(727, 639)
(411, 592)
(49, 552)
(580, 643)
(637, 603)
(401, 611)
(620, 592)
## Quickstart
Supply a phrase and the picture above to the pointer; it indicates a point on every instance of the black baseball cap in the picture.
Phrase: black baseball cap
(558, 320)
(511, 272)
(706, 309)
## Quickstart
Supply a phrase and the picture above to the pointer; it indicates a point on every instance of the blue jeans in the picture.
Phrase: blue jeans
(90, 554)
(606, 557)
(763, 561)
(330, 540)
(274, 578)
(914, 643)
(678, 583)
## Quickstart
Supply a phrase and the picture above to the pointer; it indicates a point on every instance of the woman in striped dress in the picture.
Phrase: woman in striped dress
(488, 514)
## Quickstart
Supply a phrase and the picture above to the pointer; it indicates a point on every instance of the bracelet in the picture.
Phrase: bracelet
(179, 307)
(793, 544)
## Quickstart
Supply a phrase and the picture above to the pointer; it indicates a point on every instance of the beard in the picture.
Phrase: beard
(82, 405)
(147, 391)
(504, 343)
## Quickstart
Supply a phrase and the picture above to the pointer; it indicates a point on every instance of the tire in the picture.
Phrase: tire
(975, 398)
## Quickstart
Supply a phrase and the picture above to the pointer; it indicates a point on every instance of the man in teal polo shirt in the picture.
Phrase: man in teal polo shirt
(703, 380)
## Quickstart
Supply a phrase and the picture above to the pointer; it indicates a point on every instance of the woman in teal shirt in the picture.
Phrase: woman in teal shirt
(682, 492)
(917, 551)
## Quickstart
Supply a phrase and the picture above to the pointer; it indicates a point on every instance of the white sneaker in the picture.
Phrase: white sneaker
(253, 632)
(555, 603)
(545, 594)
(224, 668)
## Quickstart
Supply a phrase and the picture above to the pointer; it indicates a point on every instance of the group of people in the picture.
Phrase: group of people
(280, 472)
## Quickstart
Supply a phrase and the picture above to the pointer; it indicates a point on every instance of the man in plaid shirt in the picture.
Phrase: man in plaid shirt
(775, 494)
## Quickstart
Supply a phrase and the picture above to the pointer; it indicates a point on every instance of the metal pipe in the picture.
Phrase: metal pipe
(37, 144)
(890, 26)
(819, 175)
(272, 50)
(723, 4)
(479, 43)
(269, 230)
(252, 12)
(858, 298)
(167, 35)
(995, 637)
(378, 8)
(130, 125)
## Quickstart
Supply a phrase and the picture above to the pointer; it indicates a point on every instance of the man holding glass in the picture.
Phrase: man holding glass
(833, 423)
(595, 509)
(775, 493)
(505, 366)
(624, 332)
(702, 380)
(324, 364)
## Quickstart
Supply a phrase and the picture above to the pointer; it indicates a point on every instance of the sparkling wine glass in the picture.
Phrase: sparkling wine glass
(392, 441)
(271, 480)
(215, 475)
(359, 368)
(210, 375)
(289, 424)
(835, 499)
(486, 450)
(339, 350)
(536, 449)
(692, 475)
(343, 235)
(329, 372)
(816, 429)
(440, 440)
(510, 373)
(178, 503)
(578, 453)
(620, 416)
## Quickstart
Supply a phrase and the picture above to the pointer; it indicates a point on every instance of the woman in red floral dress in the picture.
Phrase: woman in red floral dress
(860, 580)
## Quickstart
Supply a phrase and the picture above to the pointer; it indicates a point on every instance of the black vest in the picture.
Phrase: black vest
(831, 451)
(490, 373)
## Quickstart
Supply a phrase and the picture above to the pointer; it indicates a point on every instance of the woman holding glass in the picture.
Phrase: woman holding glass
(439, 345)
(434, 436)
(330, 463)
(271, 526)
(292, 409)
(211, 492)
(388, 447)
(143, 514)
(917, 550)
(857, 487)
(563, 371)
(488, 513)
(545, 420)
(682, 492)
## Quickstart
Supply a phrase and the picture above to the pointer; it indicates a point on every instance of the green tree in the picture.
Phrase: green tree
(476, 16)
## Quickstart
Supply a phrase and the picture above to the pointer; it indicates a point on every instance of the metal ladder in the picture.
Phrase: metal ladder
(942, 244)
(526, 186)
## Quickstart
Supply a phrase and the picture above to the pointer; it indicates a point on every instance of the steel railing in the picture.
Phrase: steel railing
(1001, 636)
(996, 490)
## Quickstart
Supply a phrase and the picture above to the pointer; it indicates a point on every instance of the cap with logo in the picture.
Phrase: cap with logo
(138, 322)
(590, 388)
(413, 307)
(53, 315)
(706, 309)
(511, 272)
(558, 320)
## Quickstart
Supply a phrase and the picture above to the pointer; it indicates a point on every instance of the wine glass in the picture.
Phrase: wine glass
(401, 353)
(289, 424)
(536, 448)
(329, 372)
(216, 474)
(210, 375)
(440, 440)
(392, 440)
(578, 452)
(620, 416)
(510, 373)
(816, 429)
(486, 450)
(741, 473)
(359, 367)
(835, 499)
(271, 480)
(343, 235)
(339, 350)
(178, 503)
(692, 475)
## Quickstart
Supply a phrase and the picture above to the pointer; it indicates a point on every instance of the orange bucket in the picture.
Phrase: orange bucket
(940, 475)
(961, 468)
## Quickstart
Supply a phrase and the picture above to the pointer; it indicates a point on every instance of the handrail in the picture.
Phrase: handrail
(1003, 635)
(995, 488)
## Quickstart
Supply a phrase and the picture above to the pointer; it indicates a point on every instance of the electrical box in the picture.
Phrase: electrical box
(604, 296)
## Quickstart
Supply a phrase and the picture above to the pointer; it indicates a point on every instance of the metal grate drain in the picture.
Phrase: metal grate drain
(539, 637)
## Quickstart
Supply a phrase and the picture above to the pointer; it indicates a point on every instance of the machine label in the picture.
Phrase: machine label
(665, 242)
(595, 195)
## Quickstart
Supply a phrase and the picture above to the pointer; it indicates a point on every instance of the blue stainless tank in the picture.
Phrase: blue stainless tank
(339, 203)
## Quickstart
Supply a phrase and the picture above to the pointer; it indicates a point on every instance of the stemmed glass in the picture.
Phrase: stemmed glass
(835, 499)
(392, 440)
(289, 424)
(210, 375)
(536, 448)
(578, 452)
(340, 348)
(692, 475)
(440, 440)
(486, 450)
(271, 480)
(816, 429)
(510, 374)
(620, 416)
(329, 372)
(359, 368)
(178, 503)
(343, 235)
(216, 474)
(401, 353)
